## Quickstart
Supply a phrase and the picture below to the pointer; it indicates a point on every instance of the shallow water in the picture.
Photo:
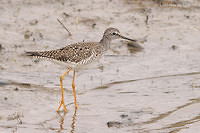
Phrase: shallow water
(153, 90)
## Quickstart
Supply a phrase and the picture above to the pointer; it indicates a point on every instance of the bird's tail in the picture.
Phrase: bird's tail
(32, 54)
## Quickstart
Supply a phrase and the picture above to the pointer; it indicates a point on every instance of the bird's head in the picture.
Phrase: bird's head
(113, 33)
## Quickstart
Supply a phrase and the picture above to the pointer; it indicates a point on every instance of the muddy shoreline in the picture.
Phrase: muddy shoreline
(151, 87)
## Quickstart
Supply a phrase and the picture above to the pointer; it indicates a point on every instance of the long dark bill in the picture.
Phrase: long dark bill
(127, 38)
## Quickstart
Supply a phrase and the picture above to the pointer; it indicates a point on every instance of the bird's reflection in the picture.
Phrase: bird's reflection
(73, 121)
(62, 118)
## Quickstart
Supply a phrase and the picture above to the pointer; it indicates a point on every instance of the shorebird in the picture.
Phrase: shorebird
(77, 55)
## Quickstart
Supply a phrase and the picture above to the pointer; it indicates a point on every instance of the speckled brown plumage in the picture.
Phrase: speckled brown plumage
(79, 53)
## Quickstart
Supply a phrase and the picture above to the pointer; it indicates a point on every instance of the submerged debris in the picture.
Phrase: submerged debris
(174, 47)
(33, 22)
(66, 15)
(123, 116)
(28, 34)
(65, 27)
(1, 47)
(94, 25)
(16, 89)
(114, 124)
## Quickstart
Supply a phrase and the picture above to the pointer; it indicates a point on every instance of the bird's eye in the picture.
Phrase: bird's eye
(114, 33)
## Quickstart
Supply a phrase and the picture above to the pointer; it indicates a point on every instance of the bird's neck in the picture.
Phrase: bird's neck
(105, 42)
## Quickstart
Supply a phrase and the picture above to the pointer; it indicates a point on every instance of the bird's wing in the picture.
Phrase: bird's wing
(72, 53)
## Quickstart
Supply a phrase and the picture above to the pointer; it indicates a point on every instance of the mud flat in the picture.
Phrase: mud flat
(154, 89)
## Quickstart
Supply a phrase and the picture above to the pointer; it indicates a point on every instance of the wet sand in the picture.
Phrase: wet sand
(155, 89)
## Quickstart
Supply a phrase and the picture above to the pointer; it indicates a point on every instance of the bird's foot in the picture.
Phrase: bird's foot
(62, 103)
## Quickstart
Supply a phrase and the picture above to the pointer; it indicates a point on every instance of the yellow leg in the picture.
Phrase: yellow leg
(73, 86)
(62, 91)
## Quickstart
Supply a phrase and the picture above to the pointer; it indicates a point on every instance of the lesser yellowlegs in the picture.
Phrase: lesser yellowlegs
(77, 55)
